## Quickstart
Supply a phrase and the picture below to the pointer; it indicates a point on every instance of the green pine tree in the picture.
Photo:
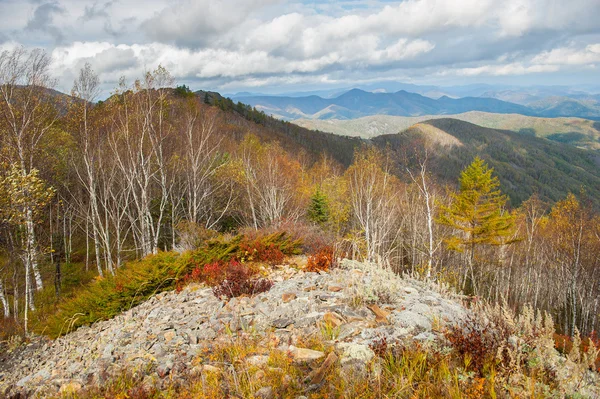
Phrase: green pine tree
(477, 212)
(318, 210)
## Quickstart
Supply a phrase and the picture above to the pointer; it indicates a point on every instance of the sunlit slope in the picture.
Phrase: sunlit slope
(575, 131)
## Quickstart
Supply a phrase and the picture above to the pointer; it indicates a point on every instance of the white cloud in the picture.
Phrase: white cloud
(570, 56)
(228, 41)
(515, 68)
(132, 60)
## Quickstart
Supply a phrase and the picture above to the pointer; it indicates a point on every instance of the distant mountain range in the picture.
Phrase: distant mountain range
(357, 103)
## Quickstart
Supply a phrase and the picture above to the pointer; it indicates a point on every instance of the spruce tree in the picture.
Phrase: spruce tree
(318, 210)
(477, 211)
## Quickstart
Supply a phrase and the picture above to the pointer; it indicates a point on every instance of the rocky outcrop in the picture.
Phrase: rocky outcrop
(350, 305)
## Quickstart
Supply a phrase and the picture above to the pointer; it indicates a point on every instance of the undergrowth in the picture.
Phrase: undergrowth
(229, 368)
(136, 281)
(322, 260)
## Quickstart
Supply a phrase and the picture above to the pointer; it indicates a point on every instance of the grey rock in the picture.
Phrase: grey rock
(108, 351)
(411, 320)
(265, 393)
(352, 352)
(282, 322)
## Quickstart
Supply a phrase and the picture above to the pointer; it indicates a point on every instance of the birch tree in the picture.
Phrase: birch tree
(25, 198)
(373, 193)
(85, 89)
(26, 115)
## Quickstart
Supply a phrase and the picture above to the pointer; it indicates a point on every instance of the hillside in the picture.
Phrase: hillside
(579, 132)
(583, 106)
(524, 164)
(312, 333)
(242, 118)
(358, 103)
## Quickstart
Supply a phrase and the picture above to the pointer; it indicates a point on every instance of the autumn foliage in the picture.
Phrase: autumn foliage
(321, 261)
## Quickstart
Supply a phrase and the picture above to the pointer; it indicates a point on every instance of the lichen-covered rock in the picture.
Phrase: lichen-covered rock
(164, 334)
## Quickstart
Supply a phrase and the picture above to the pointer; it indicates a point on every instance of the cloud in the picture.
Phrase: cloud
(225, 43)
(130, 60)
(199, 22)
(515, 68)
(570, 56)
(42, 20)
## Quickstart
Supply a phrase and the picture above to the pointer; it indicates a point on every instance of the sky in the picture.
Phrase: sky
(278, 45)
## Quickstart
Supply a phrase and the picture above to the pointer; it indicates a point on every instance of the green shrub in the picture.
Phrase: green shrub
(136, 281)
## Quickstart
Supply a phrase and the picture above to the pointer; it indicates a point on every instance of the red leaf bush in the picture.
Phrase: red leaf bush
(258, 251)
(239, 281)
(322, 260)
(229, 279)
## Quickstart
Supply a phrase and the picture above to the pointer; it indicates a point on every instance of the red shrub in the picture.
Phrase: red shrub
(475, 339)
(215, 272)
(321, 261)
(239, 281)
(195, 276)
(257, 251)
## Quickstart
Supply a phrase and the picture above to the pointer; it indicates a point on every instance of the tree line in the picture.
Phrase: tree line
(92, 184)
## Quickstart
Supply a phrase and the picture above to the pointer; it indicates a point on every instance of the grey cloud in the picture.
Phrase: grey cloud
(42, 20)
(101, 11)
(113, 60)
(96, 10)
(255, 42)
(196, 23)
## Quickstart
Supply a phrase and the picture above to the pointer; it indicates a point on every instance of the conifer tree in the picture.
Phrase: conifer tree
(477, 211)
(318, 210)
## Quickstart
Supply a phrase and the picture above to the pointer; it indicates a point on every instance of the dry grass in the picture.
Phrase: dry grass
(499, 354)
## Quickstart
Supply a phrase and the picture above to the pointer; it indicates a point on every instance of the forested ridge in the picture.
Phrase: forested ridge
(89, 186)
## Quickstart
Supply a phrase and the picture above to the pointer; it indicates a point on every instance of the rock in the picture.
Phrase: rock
(318, 375)
(206, 334)
(257, 360)
(305, 355)
(409, 319)
(108, 351)
(265, 393)
(169, 329)
(381, 316)
(169, 335)
(333, 319)
(23, 381)
(355, 353)
(325, 297)
(164, 368)
(287, 297)
(347, 331)
(410, 290)
(282, 322)
(43, 374)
